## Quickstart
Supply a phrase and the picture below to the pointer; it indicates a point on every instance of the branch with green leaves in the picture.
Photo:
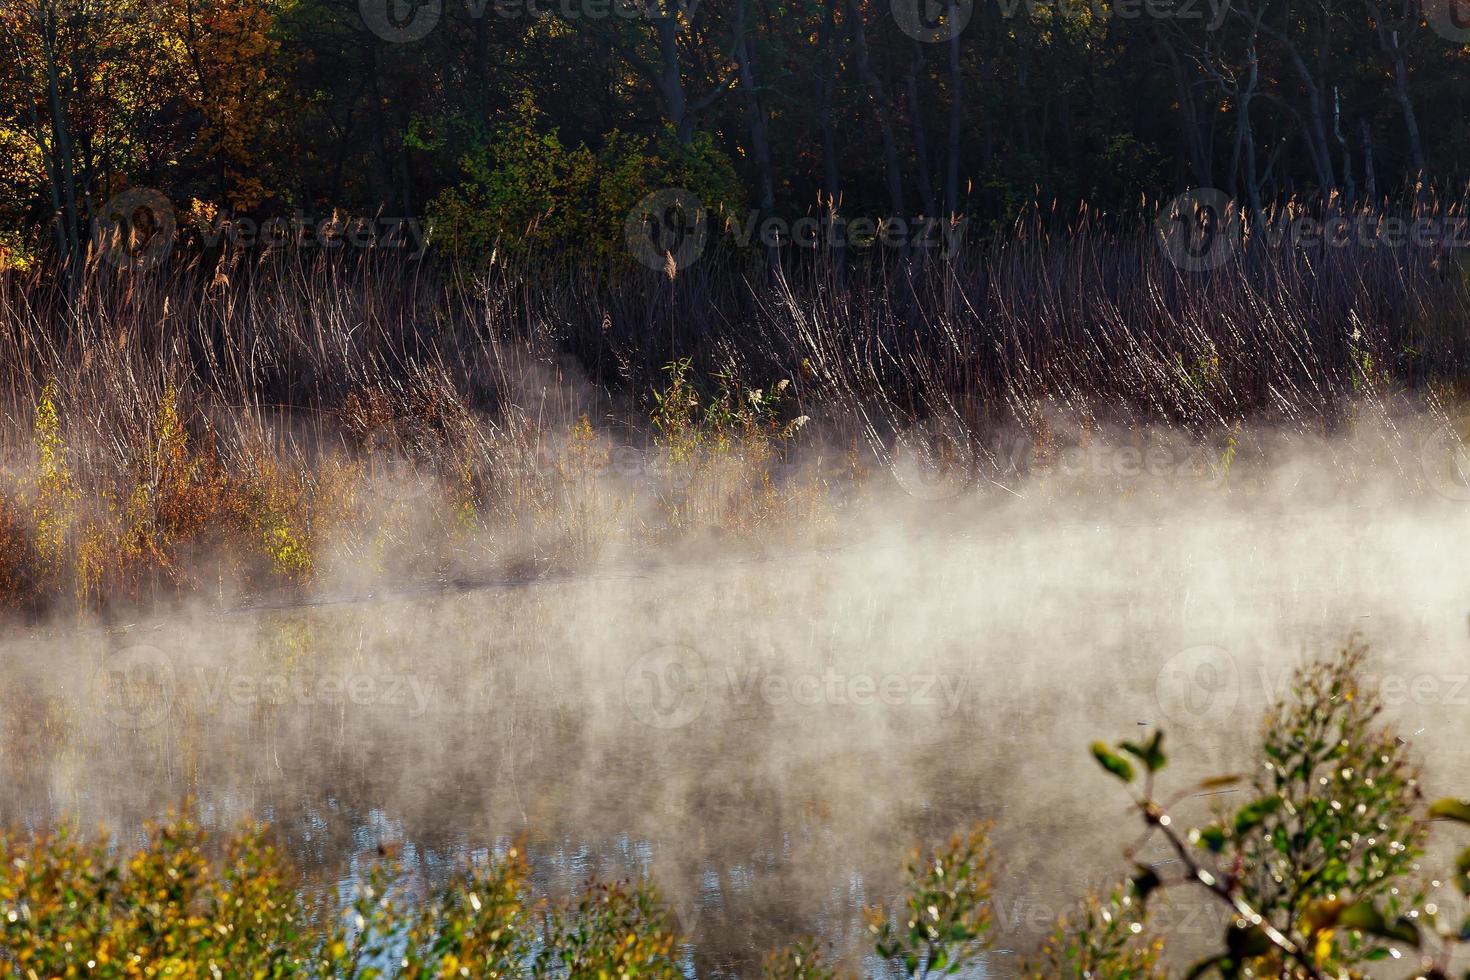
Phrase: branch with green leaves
(1319, 869)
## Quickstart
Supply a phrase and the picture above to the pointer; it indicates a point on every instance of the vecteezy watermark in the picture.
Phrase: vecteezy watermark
(406, 21)
(1198, 687)
(810, 232)
(933, 460)
(243, 689)
(134, 687)
(832, 687)
(1203, 229)
(667, 687)
(135, 230)
(138, 229)
(933, 21)
(1200, 230)
(1210, 12)
(1450, 19)
(939, 459)
(302, 232)
(670, 687)
(667, 230)
(1446, 462)
(940, 21)
(1201, 687)
(1022, 915)
(401, 21)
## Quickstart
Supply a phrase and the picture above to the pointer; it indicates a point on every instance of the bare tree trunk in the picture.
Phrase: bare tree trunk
(65, 171)
(1317, 146)
(760, 146)
(1370, 172)
(1406, 105)
(956, 116)
(921, 137)
(1350, 184)
(826, 90)
(671, 78)
(1391, 41)
(1201, 162)
(880, 107)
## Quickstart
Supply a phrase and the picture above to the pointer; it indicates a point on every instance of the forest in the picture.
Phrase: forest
(523, 125)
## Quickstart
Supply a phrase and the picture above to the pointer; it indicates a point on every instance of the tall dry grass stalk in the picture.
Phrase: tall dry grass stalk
(217, 423)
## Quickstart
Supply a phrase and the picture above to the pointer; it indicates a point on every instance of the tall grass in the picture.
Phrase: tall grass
(219, 418)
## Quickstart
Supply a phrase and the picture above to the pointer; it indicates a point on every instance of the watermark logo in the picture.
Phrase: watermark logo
(667, 688)
(575, 10)
(809, 232)
(1212, 13)
(413, 694)
(667, 230)
(1450, 19)
(1200, 230)
(134, 687)
(933, 21)
(401, 21)
(1446, 462)
(327, 234)
(933, 460)
(1203, 229)
(135, 230)
(1198, 688)
(834, 688)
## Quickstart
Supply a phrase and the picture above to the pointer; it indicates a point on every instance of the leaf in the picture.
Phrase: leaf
(1151, 754)
(1462, 863)
(1252, 815)
(1365, 918)
(1212, 837)
(1362, 917)
(1220, 782)
(1450, 808)
(1145, 883)
(1246, 943)
(1112, 762)
(1323, 915)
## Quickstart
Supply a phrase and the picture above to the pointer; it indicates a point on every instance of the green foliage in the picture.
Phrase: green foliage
(1317, 872)
(947, 910)
(525, 192)
(1104, 938)
(169, 909)
(180, 907)
(687, 422)
(799, 961)
(614, 931)
(1320, 867)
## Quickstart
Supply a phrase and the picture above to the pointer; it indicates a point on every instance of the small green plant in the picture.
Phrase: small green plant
(801, 960)
(946, 913)
(1104, 937)
(55, 499)
(1318, 874)
(1319, 869)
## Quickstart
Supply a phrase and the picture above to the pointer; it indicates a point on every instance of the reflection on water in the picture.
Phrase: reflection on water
(766, 739)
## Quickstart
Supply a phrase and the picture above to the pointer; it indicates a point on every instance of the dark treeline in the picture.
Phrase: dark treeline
(510, 122)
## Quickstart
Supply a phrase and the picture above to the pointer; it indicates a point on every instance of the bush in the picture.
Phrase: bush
(525, 192)
(1318, 874)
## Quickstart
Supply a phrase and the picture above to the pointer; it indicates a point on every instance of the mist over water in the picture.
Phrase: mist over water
(767, 733)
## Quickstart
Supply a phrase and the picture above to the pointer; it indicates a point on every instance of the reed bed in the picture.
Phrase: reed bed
(223, 421)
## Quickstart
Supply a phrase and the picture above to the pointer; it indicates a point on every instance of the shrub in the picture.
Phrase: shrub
(1320, 869)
